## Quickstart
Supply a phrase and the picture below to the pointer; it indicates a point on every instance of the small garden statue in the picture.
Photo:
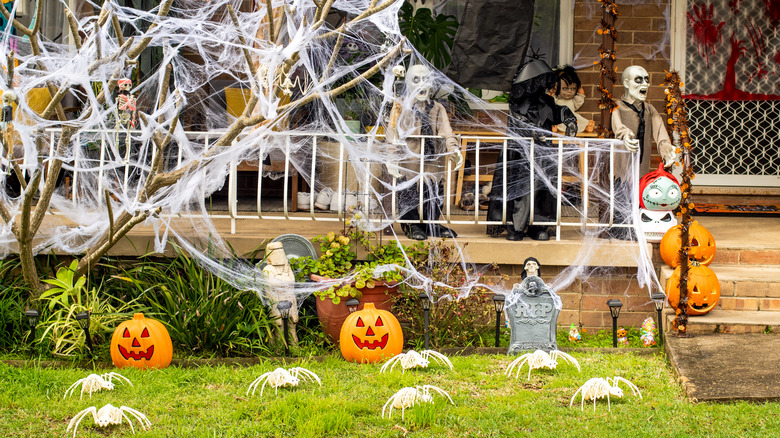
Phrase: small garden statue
(281, 279)
(648, 332)
(421, 115)
(622, 335)
(532, 311)
(574, 335)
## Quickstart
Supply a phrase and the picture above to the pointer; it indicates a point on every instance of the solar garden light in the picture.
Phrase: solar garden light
(658, 299)
(498, 302)
(284, 311)
(425, 302)
(352, 304)
(614, 309)
(32, 320)
(83, 320)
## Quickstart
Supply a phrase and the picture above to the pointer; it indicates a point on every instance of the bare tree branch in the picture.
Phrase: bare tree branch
(10, 61)
(165, 7)
(364, 14)
(74, 28)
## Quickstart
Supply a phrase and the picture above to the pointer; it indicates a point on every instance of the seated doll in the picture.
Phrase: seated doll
(570, 94)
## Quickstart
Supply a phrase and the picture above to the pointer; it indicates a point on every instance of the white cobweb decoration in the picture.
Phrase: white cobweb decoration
(291, 69)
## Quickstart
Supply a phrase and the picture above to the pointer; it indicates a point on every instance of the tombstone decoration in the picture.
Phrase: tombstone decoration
(532, 312)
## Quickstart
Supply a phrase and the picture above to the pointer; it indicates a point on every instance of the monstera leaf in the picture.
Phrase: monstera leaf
(433, 37)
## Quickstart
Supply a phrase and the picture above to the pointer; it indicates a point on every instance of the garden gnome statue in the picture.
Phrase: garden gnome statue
(281, 280)
(532, 311)
(638, 124)
(7, 123)
(421, 115)
(125, 105)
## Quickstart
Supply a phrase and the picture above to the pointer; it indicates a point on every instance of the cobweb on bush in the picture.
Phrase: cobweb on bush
(296, 113)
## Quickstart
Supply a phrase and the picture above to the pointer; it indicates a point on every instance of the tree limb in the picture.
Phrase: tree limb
(74, 28)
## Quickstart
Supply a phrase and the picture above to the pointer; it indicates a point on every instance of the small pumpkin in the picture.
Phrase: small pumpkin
(702, 245)
(703, 289)
(370, 335)
(141, 343)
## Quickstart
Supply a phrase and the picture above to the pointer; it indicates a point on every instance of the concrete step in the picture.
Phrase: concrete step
(729, 321)
(746, 255)
(744, 287)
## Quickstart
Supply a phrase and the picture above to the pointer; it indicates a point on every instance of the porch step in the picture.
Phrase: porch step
(744, 287)
(765, 254)
(729, 321)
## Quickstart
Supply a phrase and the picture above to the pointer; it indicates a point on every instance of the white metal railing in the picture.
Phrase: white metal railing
(111, 157)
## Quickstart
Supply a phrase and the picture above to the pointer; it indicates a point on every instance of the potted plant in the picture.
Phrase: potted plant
(348, 276)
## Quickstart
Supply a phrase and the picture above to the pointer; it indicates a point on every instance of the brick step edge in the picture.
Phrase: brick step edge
(701, 326)
(771, 304)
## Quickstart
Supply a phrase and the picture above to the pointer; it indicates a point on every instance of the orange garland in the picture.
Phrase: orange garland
(607, 72)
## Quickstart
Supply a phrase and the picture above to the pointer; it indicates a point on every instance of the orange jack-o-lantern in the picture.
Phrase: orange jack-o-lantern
(141, 343)
(370, 335)
(702, 245)
(703, 289)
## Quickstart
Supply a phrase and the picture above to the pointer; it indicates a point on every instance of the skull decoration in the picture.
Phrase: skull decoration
(352, 47)
(659, 190)
(636, 82)
(655, 223)
(419, 82)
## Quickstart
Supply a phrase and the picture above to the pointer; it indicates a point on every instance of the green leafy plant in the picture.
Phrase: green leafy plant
(68, 296)
(433, 37)
(13, 293)
(339, 260)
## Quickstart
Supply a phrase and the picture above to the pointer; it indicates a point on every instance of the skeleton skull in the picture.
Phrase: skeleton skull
(352, 47)
(655, 223)
(419, 82)
(531, 268)
(636, 82)
(399, 71)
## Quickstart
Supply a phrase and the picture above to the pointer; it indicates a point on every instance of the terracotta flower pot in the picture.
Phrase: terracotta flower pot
(332, 316)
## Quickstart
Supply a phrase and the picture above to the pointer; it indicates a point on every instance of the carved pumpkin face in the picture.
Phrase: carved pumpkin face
(702, 245)
(703, 289)
(370, 335)
(141, 343)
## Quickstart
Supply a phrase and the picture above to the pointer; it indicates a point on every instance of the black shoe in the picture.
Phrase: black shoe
(442, 231)
(495, 230)
(538, 233)
(416, 232)
(515, 236)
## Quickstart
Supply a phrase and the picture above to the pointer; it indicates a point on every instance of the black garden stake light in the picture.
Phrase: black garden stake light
(32, 320)
(352, 304)
(658, 299)
(83, 320)
(614, 309)
(498, 302)
(284, 311)
(425, 302)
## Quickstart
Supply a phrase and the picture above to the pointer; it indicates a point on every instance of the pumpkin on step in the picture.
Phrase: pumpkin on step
(370, 335)
(141, 343)
(703, 289)
(702, 245)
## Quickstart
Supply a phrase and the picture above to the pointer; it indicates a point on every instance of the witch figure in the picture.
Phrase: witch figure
(530, 106)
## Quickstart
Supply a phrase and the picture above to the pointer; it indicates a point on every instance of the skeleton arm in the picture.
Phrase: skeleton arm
(661, 137)
(451, 141)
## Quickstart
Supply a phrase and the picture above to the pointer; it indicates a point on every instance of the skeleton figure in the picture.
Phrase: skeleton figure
(421, 115)
(539, 359)
(599, 387)
(7, 123)
(108, 415)
(281, 377)
(408, 397)
(94, 383)
(125, 104)
(280, 288)
(637, 123)
(413, 359)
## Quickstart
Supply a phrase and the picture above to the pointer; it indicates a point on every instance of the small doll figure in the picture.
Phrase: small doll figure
(7, 122)
(648, 332)
(125, 104)
(622, 337)
(570, 94)
(648, 339)
(574, 335)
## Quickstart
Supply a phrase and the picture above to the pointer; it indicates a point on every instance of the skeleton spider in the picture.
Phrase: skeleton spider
(281, 377)
(408, 397)
(539, 359)
(108, 415)
(413, 359)
(599, 387)
(94, 383)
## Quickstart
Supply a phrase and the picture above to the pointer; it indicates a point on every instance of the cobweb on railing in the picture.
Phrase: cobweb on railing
(294, 75)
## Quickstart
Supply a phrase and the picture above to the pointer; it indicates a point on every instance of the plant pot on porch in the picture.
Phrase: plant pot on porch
(332, 316)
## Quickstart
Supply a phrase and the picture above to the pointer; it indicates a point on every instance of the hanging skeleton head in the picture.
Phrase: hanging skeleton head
(419, 82)
(636, 81)
(352, 47)
(655, 223)
(125, 84)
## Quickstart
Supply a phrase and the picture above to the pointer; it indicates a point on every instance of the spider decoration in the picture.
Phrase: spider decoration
(281, 377)
(108, 415)
(410, 396)
(413, 359)
(94, 383)
(539, 359)
(599, 387)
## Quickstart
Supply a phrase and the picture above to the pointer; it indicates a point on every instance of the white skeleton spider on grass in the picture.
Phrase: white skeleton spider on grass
(94, 383)
(281, 377)
(539, 359)
(413, 359)
(410, 396)
(108, 415)
(599, 387)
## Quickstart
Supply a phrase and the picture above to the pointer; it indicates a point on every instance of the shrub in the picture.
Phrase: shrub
(13, 293)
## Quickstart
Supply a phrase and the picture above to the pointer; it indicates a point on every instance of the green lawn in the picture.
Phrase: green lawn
(212, 402)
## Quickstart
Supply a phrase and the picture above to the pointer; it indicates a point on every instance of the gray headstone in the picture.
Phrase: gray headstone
(532, 311)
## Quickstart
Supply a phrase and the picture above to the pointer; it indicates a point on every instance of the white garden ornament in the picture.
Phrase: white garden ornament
(539, 359)
(599, 387)
(108, 415)
(410, 396)
(413, 359)
(281, 377)
(96, 382)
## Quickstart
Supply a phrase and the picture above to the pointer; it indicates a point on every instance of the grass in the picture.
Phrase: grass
(212, 402)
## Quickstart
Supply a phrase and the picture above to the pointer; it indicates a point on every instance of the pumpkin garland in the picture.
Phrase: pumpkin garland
(607, 71)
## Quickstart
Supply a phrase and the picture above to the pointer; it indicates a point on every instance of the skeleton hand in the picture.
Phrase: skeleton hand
(670, 157)
(631, 143)
(393, 169)
(457, 159)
